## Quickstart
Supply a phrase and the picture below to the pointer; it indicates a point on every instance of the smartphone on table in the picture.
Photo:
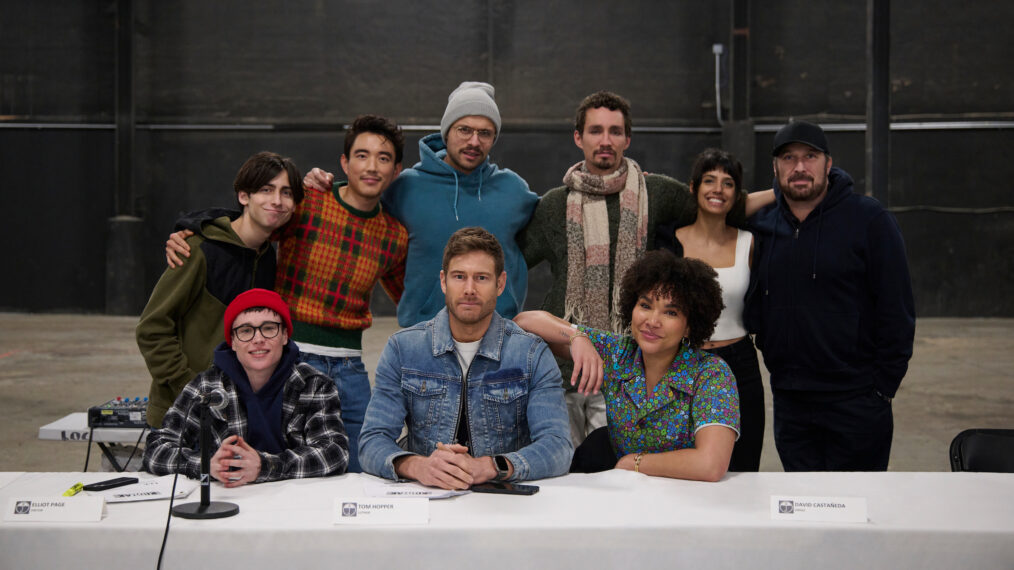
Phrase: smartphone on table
(504, 488)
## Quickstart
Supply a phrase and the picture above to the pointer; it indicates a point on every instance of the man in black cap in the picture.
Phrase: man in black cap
(831, 303)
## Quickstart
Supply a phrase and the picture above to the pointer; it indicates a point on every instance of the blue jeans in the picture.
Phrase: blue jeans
(353, 384)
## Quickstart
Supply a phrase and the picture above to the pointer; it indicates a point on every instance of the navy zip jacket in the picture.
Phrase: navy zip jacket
(830, 298)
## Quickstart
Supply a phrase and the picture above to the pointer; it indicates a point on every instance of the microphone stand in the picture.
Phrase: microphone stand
(206, 509)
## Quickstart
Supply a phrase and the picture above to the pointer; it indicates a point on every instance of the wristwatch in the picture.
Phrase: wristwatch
(503, 466)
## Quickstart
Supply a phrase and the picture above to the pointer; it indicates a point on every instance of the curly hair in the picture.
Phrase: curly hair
(690, 283)
(605, 99)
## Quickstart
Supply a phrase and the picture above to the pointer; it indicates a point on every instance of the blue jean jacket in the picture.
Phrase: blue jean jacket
(515, 400)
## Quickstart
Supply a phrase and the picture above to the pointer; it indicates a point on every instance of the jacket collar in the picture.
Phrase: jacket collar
(489, 347)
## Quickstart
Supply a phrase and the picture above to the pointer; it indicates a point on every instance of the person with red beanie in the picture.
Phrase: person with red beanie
(273, 417)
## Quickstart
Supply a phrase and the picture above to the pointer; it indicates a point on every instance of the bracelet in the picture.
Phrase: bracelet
(579, 333)
(637, 462)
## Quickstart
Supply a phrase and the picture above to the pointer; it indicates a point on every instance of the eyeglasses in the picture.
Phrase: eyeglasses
(246, 333)
(465, 133)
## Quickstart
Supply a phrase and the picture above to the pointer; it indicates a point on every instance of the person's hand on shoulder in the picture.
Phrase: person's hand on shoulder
(177, 246)
(318, 179)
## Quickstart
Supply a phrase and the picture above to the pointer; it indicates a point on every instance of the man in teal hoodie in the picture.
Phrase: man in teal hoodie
(454, 185)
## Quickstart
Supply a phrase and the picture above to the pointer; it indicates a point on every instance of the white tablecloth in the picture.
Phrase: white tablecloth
(608, 520)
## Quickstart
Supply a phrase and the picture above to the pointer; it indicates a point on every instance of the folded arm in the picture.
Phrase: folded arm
(567, 342)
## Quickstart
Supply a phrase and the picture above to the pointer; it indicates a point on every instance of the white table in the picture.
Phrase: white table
(74, 427)
(609, 520)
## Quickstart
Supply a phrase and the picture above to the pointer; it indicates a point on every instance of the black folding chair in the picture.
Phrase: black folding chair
(990, 450)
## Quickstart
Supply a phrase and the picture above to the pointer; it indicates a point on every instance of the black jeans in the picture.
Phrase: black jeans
(742, 359)
(817, 431)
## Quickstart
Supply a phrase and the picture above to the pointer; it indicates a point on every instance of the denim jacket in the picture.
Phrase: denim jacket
(515, 400)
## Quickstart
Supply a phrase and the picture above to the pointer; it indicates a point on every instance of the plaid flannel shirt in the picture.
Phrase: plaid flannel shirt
(311, 426)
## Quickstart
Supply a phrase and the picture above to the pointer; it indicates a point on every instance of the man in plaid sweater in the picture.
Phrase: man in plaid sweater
(339, 244)
(277, 419)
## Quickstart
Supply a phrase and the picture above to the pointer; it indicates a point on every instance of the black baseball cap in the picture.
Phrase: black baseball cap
(801, 132)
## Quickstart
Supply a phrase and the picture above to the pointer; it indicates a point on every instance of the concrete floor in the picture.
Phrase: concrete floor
(52, 365)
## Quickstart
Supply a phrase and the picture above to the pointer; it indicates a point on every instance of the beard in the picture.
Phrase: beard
(816, 187)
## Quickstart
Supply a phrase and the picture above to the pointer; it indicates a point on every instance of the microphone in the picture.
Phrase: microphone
(215, 399)
(207, 509)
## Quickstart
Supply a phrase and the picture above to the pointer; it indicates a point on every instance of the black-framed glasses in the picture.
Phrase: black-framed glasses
(245, 333)
(465, 133)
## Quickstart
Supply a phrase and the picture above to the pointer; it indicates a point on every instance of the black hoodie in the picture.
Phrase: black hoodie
(830, 298)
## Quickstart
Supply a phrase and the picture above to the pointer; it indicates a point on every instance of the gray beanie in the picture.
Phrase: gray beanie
(470, 98)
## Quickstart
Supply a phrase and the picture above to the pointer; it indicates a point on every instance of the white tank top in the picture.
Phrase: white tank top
(734, 281)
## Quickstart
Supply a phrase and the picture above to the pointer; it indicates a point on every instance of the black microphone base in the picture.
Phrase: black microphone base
(213, 510)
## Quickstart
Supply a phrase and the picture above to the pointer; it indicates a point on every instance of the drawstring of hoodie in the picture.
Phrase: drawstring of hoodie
(816, 244)
(457, 190)
(774, 237)
(455, 172)
(771, 251)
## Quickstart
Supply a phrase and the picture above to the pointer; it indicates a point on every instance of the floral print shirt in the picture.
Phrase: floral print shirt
(698, 390)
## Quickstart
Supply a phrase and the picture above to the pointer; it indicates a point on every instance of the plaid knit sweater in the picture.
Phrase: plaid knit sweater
(330, 256)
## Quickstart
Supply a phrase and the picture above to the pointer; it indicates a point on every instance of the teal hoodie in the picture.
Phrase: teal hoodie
(433, 200)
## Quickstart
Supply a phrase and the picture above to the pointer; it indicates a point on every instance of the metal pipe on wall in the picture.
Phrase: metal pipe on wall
(878, 99)
(124, 268)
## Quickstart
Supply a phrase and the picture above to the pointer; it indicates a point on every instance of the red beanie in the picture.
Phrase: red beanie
(252, 299)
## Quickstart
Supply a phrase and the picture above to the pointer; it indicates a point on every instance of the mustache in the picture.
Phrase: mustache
(800, 176)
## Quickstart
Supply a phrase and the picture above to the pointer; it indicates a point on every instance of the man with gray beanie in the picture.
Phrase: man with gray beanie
(454, 185)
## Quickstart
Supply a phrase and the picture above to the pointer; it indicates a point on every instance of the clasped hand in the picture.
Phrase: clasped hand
(450, 466)
(236, 453)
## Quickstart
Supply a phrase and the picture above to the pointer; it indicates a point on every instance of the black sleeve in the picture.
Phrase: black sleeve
(665, 238)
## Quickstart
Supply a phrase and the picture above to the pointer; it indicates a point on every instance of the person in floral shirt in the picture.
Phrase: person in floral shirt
(672, 410)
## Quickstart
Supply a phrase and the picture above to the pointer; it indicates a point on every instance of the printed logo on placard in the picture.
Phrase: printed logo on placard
(350, 509)
(786, 507)
(22, 507)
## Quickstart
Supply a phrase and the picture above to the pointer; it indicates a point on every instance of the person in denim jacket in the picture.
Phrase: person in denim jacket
(481, 398)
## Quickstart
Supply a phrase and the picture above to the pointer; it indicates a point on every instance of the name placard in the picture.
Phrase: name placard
(54, 509)
(820, 509)
(381, 510)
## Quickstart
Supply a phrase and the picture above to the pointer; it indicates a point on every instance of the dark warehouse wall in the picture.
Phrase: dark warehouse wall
(214, 82)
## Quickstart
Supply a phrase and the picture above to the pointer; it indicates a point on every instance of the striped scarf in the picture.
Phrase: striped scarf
(588, 297)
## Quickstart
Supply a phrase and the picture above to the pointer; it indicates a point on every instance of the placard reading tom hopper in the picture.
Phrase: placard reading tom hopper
(381, 510)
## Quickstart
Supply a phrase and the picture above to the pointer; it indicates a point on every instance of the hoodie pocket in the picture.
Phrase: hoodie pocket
(821, 341)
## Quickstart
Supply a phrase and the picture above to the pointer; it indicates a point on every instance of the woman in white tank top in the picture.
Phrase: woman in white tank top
(715, 180)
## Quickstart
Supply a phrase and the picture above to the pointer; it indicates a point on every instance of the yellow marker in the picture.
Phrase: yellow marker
(75, 489)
